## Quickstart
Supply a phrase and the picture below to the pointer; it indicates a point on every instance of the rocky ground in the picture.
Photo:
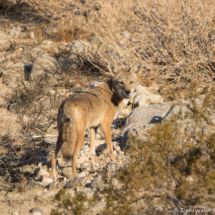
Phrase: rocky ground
(37, 74)
(45, 72)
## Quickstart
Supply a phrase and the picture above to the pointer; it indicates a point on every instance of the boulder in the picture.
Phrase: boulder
(49, 46)
(95, 42)
(78, 50)
(82, 162)
(75, 183)
(5, 92)
(142, 117)
(79, 47)
(112, 168)
(67, 172)
(14, 75)
(4, 41)
(102, 149)
(142, 96)
(97, 183)
(36, 211)
(45, 67)
(141, 100)
(32, 185)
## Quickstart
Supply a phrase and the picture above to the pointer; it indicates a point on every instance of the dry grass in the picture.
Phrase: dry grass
(10, 140)
(174, 38)
(9, 125)
(67, 33)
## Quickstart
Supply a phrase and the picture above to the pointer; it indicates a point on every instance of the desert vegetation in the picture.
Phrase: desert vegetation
(169, 167)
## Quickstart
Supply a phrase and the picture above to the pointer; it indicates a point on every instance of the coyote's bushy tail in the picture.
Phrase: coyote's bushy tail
(69, 137)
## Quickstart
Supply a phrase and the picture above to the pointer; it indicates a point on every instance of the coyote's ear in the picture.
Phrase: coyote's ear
(137, 67)
(113, 68)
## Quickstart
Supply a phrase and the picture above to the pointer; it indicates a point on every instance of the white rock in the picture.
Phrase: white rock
(82, 174)
(14, 75)
(143, 100)
(36, 213)
(117, 148)
(140, 89)
(95, 84)
(142, 96)
(45, 68)
(79, 47)
(80, 160)
(85, 148)
(36, 52)
(47, 181)
(42, 172)
(4, 41)
(49, 46)
(124, 112)
(49, 194)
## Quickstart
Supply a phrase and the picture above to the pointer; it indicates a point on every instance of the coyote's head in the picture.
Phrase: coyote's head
(125, 82)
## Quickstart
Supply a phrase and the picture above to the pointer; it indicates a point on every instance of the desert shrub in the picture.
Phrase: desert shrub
(173, 168)
(11, 135)
(70, 205)
(9, 125)
(175, 39)
(36, 105)
(31, 110)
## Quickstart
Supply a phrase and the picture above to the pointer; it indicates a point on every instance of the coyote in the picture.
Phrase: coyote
(89, 110)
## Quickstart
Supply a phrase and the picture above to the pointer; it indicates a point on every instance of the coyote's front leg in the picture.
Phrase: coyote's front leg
(106, 126)
(92, 148)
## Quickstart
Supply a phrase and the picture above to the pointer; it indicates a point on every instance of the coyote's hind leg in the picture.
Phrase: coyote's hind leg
(54, 157)
(92, 148)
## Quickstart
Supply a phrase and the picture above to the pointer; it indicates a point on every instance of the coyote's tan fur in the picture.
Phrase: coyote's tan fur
(91, 109)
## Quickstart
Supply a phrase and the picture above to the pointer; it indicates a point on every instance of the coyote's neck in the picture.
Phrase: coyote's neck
(108, 86)
(115, 98)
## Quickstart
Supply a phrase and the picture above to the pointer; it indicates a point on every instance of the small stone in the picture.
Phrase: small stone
(97, 183)
(73, 184)
(36, 211)
(85, 165)
(79, 47)
(112, 168)
(40, 171)
(26, 169)
(67, 172)
(81, 160)
(32, 185)
(83, 174)
(102, 148)
(95, 84)
(14, 75)
(47, 181)
(117, 148)
(44, 67)
(40, 165)
(49, 194)
(51, 186)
